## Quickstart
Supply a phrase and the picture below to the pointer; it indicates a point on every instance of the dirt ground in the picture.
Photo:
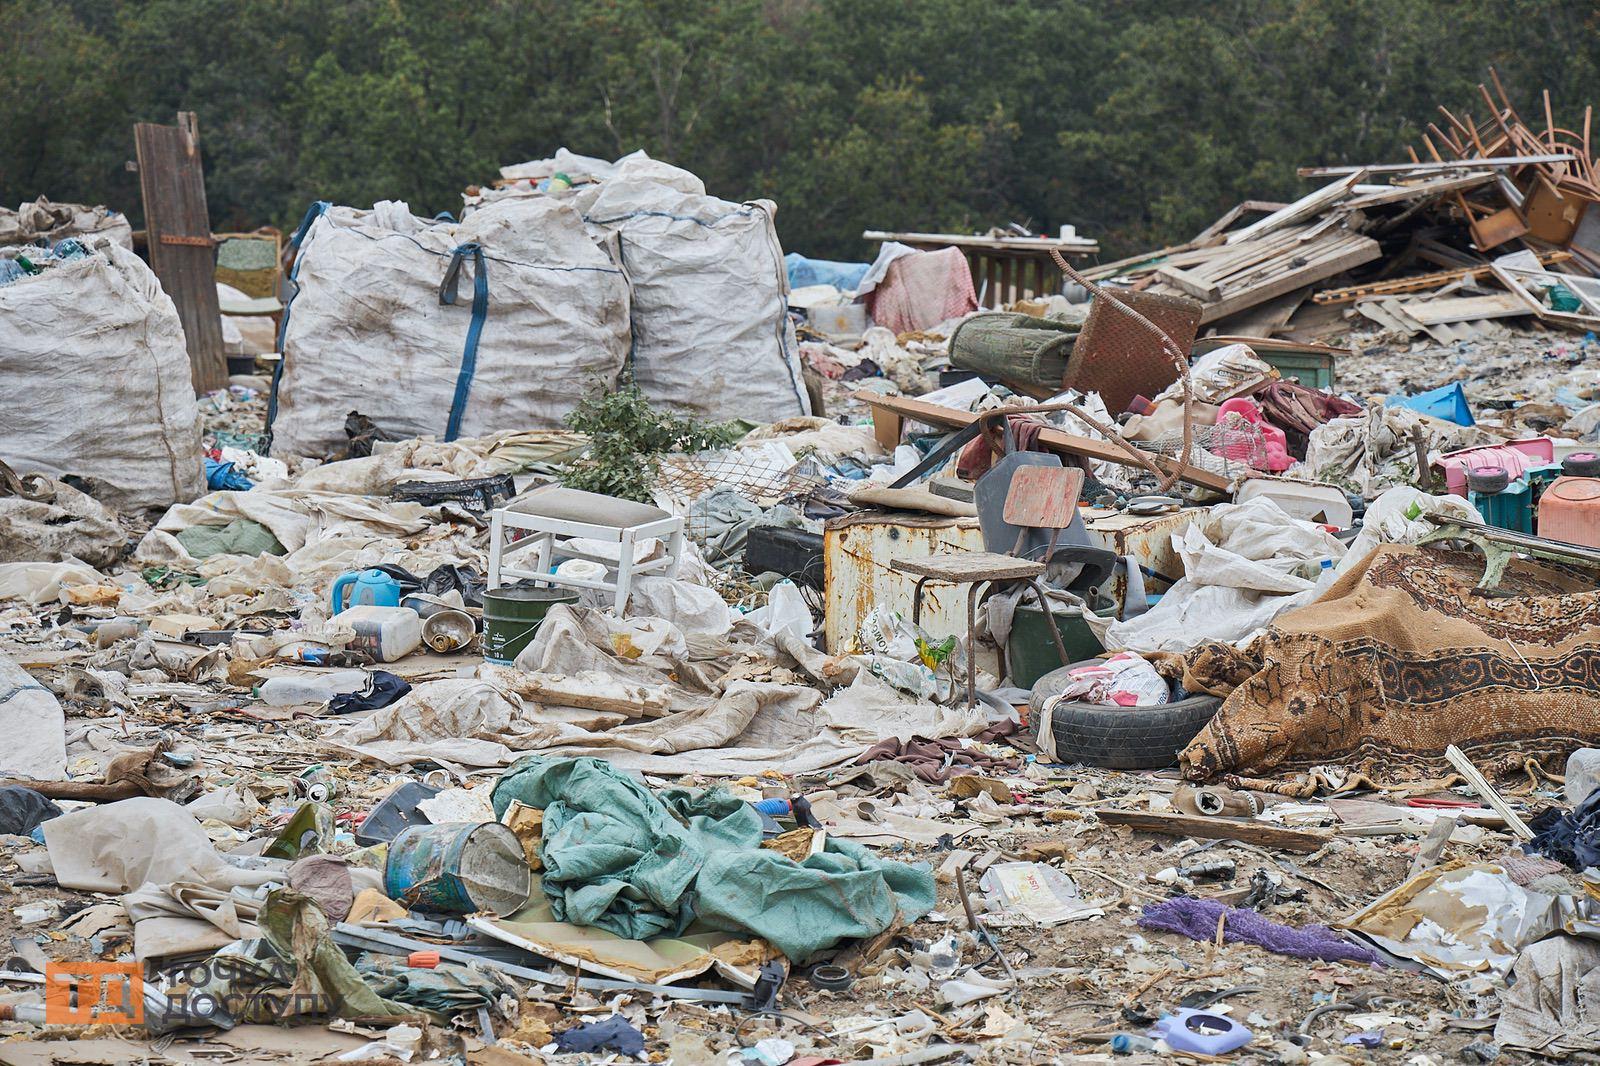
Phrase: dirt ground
(1079, 983)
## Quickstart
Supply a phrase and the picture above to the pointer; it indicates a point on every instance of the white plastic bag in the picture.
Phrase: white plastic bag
(786, 611)
(1124, 680)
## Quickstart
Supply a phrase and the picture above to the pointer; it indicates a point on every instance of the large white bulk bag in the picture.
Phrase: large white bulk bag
(95, 382)
(537, 316)
(711, 330)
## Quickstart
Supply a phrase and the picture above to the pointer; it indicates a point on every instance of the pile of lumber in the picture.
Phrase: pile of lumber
(1492, 220)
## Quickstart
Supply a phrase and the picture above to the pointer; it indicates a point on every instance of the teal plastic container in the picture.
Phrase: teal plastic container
(1511, 508)
(458, 868)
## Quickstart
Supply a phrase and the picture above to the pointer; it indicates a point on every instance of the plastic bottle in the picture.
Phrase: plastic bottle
(1326, 576)
(1131, 1044)
(320, 688)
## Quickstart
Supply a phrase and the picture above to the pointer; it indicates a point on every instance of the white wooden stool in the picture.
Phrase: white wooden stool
(555, 515)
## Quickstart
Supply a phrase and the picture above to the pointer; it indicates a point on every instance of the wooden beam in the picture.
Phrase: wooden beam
(889, 413)
(179, 237)
(1042, 245)
(1421, 190)
(1261, 834)
(1439, 167)
(1341, 256)
(1466, 308)
(1199, 288)
(1486, 792)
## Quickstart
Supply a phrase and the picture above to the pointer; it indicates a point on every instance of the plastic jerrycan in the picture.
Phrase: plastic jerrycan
(372, 588)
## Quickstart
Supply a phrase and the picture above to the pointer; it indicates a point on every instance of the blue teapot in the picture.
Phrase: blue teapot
(373, 588)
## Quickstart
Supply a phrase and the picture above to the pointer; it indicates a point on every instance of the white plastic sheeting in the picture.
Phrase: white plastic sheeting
(367, 329)
(1240, 564)
(34, 727)
(711, 330)
(95, 380)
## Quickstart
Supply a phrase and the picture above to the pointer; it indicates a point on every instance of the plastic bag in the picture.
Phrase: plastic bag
(1124, 680)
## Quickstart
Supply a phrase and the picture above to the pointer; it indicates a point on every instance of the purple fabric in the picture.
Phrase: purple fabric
(1197, 920)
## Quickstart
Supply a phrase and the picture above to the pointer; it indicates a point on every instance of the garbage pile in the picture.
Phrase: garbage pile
(1082, 684)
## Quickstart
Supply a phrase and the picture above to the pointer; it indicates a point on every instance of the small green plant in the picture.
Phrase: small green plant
(627, 437)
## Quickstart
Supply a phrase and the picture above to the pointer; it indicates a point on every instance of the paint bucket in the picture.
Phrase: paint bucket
(458, 868)
(512, 614)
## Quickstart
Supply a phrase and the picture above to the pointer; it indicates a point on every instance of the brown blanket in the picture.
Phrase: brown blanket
(1399, 660)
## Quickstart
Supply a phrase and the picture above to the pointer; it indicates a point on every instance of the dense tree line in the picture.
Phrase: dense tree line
(1139, 121)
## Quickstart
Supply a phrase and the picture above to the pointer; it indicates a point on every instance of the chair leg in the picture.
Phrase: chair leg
(624, 573)
(675, 550)
(972, 644)
(543, 552)
(916, 601)
(497, 536)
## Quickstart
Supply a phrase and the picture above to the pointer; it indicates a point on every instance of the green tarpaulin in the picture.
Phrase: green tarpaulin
(643, 865)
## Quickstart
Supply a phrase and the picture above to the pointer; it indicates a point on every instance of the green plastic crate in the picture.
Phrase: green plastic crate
(1314, 370)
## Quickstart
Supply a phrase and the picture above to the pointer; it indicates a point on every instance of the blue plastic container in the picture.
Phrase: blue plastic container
(1510, 508)
(1448, 402)
(458, 868)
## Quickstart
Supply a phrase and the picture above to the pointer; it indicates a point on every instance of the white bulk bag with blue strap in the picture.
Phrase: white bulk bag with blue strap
(711, 329)
(94, 377)
(502, 321)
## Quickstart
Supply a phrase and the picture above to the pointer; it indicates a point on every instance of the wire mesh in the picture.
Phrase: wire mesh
(1232, 449)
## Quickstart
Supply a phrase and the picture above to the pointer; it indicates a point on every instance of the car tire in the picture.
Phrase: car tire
(1121, 738)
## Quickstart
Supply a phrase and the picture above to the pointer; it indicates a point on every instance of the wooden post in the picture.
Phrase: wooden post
(178, 230)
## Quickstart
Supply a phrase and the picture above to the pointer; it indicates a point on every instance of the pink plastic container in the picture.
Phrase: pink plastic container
(1569, 510)
(1514, 456)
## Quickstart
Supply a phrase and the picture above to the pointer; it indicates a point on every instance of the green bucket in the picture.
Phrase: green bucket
(1032, 653)
(511, 615)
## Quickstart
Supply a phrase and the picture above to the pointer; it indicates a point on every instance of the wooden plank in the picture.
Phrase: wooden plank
(1314, 203)
(174, 191)
(1433, 845)
(1303, 841)
(1419, 283)
(1197, 287)
(1466, 308)
(1265, 319)
(889, 413)
(1439, 167)
(1362, 250)
(1486, 792)
(1150, 259)
(1422, 190)
(1070, 246)
(1234, 214)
